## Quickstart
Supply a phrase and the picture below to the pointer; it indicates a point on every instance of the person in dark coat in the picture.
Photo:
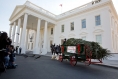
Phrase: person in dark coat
(12, 57)
(64, 41)
(4, 42)
(59, 49)
(16, 49)
(20, 49)
(6, 56)
(51, 47)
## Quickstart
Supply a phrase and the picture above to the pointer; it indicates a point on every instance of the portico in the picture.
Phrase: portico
(29, 30)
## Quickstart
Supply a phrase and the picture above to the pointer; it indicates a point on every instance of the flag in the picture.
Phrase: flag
(60, 5)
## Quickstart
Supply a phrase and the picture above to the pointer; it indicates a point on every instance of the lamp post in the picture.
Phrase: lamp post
(31, 38)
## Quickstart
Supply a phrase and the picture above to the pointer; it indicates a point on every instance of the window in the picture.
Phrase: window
(62, 28)
(84, 38)
(97, 20)
(51, 31)
(99, 39)
(72, 26)
(83, 23)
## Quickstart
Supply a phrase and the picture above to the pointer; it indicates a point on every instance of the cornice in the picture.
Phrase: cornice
(40, 12)
(98, 31)
(99, 5)
(93, 7)
(112, 10)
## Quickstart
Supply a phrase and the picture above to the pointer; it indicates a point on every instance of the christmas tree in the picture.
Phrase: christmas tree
(98, 52)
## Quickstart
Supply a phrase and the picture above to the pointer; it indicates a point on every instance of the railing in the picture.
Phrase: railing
(80, 8)
(40, 9)
(73, 10)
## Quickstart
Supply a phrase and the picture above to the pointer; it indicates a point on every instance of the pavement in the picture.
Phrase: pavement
(46, 68)
(110, 63)
(105, 62)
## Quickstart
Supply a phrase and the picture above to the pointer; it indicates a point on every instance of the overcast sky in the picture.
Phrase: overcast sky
(7, 7)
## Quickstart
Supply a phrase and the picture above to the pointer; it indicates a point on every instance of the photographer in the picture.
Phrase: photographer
(4, 43)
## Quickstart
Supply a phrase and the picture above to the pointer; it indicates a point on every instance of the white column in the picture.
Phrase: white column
(18, 32)
(36, 48)
(27, 38)
(23, 34)
(13, 33)
(20, 36)
(34, 39)
(55, 30)
(45, 39)
(10, 30)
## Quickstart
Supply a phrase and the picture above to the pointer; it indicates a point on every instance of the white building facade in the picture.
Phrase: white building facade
(34, 28)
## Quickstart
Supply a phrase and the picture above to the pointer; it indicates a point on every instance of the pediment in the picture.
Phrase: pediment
(62, 36)
(71, 35)
(83, 33)
(16, 10)
(98, 31)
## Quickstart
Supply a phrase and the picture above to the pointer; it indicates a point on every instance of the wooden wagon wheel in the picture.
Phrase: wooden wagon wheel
(60, 58)
(88, 61)
(73, 60)
(88, 56)
(100, 60)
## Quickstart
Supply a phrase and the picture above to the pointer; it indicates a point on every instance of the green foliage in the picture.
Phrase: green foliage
(97, 51)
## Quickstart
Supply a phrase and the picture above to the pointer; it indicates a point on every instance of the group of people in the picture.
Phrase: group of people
(7, 55)
(56, 50)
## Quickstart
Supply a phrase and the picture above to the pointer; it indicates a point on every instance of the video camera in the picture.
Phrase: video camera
(1, 32)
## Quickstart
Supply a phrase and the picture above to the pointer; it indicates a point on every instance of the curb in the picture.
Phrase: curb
(106, 66)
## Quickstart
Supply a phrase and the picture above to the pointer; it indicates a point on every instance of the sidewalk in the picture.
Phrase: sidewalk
(110, 63)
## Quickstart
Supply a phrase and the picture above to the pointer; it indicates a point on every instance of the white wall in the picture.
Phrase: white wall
(114, 31)
(90, 31)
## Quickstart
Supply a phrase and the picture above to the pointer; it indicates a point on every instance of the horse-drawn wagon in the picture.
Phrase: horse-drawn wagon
(77, 53)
